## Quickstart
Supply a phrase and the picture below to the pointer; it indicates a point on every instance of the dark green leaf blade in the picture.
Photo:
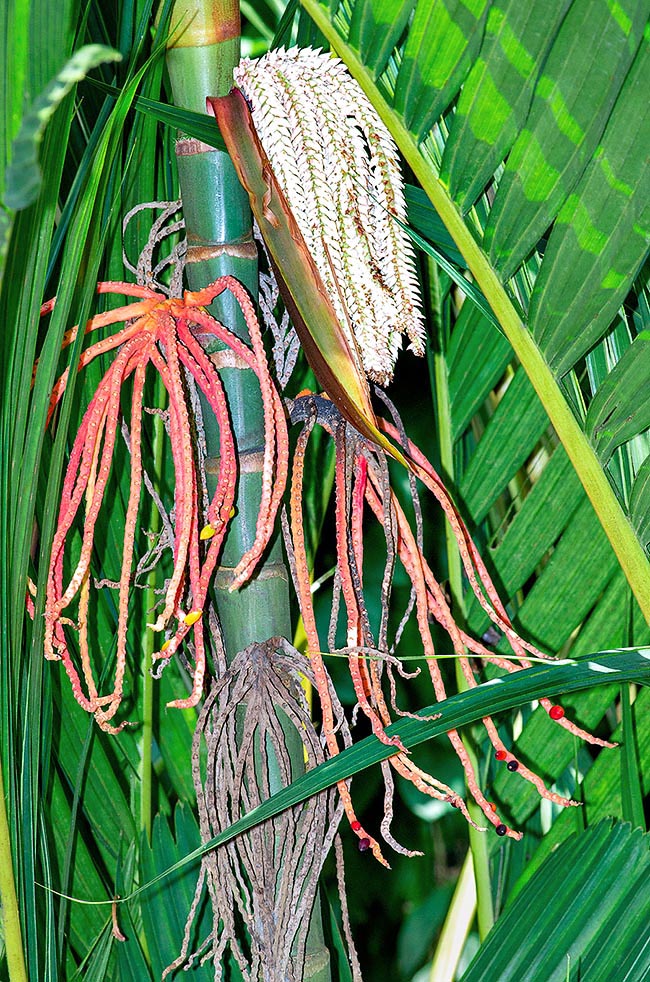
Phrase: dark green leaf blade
(549, 614)
(23, 175)
(573, 98)
(539, 524)
(198, 125)
(631, 790)
(601, 789)
(477, 357)
(166, 909)
(425, 219)
(621, 407)
(375, 29)
(640, 503)
(602, 233)
(509, 438)
(497, 695)
(497, 94)
(444, 37)
(561, 913)
(549, 750)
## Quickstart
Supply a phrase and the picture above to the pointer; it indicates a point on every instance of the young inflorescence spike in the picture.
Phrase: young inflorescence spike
(337, 166)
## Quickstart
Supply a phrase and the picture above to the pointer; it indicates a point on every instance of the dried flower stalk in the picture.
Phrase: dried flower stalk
(266, 878)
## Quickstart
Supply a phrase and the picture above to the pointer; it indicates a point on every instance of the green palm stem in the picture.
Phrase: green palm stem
(478, 849)
(200, 60)
(220, 242)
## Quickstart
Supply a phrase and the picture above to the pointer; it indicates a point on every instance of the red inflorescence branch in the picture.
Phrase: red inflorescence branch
(361, 479)
(158, 332)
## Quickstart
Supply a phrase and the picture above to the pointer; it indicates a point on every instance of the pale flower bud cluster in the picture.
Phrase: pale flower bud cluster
(337, 165)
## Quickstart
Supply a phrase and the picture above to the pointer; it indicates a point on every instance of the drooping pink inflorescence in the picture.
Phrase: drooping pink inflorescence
(158, 332)
(362, 483)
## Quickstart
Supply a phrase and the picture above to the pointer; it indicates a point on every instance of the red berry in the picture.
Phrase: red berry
(556, 712)
(364, 845)
(356, 826)
(501, 755)
(492, 806)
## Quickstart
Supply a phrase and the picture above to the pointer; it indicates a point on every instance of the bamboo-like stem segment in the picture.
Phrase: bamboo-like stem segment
(615, 523)
(220, 242)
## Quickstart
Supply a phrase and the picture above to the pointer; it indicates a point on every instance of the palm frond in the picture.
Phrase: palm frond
(475, 116)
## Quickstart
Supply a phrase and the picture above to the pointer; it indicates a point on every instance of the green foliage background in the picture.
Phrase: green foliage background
(570, 349)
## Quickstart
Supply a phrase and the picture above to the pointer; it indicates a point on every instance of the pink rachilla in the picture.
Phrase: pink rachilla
(357, 483)
(158, 331)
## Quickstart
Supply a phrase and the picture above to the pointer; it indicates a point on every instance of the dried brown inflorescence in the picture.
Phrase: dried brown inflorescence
(265, 879)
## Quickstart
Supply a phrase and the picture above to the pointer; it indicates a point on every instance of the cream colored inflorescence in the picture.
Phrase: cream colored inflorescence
(337, 166)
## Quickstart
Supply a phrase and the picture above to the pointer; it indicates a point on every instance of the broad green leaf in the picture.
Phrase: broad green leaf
(509, 439)
(550, 750)
(282, 37)
(23, 175)
(198, 125)
(539, 523)
(631, 790)
(109, 765)
(425, 220)
(640, 503)
(477, 357)
(581, 917)
(335, 943)
(128, 954)
(442, 40)
(86, 921)
(548, 612)
(573, 97)
(375, 29)
(601, 789)
(602, 233)
(497, 695)
(621, 406)
(496, 96)
(558, 106)
(95, 966)
(167, 907)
